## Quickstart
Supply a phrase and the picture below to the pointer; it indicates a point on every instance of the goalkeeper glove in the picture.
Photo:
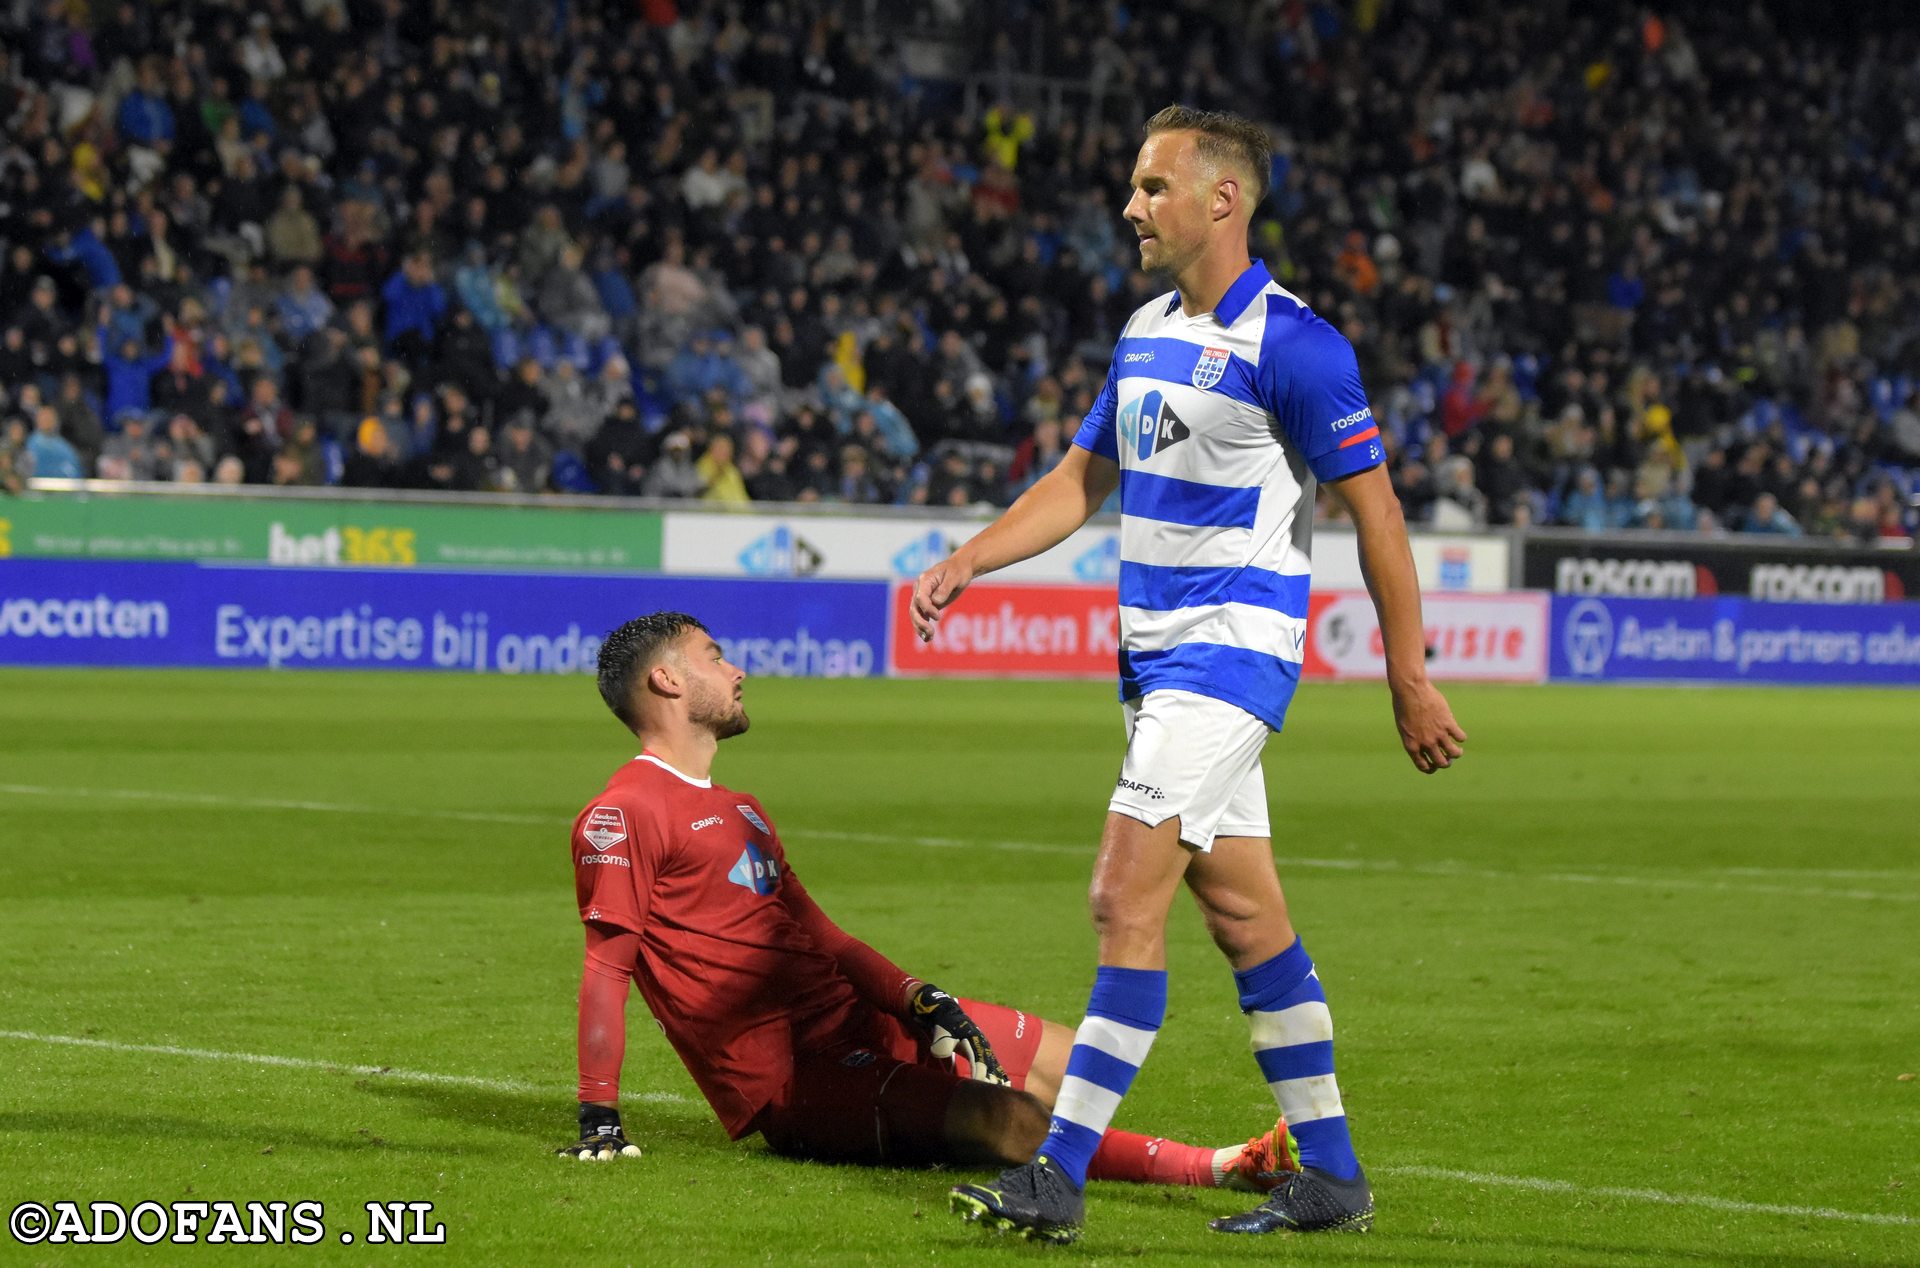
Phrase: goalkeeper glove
(940, 1015)
(601, 1138)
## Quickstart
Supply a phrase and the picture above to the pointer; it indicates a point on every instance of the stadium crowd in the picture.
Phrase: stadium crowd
(1604, 266)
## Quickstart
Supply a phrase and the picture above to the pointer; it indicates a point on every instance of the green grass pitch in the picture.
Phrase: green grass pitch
(1641, 943)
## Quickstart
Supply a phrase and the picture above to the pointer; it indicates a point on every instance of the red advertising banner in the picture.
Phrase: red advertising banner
(1483, 637)
(1012, 631)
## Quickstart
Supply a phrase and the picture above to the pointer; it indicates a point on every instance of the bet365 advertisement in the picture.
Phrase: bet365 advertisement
(309, 532)
(183, 614)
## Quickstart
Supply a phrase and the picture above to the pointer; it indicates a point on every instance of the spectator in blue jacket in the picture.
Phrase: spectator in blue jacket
(126, 316)
(130, 373)
(83, 245)
(1586, 506)
(895, 431)
(415, 305)
(144, 117)
(303, 306)
(1768, 516)
(52, 455)
(704, 365)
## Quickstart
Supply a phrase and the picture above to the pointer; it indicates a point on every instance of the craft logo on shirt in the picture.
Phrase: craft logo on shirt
(755, 871)
(606, 827)
(1149, 425)
(1210, 368)
(754, 819)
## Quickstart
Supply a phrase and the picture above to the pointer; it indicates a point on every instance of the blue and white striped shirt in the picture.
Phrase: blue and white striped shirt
(1221, 425)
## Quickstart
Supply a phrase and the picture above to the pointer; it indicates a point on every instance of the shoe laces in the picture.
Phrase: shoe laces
(1263, 1156)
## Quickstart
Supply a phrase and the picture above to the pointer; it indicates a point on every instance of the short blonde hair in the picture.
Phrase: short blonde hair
(1223, 138)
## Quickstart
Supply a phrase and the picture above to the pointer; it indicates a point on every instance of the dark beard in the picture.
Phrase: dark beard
(722, 715)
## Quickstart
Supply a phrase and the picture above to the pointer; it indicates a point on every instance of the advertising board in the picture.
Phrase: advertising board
(1733, 640)
(1011, 631)
(1768, 569)
(1073, 631)
(1470, 637)
(304, 532)
(860, 547)
(182, 614)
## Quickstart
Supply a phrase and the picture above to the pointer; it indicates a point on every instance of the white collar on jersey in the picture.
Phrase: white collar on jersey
(1239, 296)
(697, 783)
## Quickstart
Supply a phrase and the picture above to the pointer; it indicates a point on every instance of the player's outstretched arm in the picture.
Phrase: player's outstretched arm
(1043, 517)
(1427, 728)
(606, 979)
(885, 986)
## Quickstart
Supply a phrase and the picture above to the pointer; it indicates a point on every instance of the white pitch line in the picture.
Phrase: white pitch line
(1393, 865)
(1534, 1184)
(1631, 881)
(1703, 1201)
(1825, 873)
(273, 803)
(307, 1063)
(293, 1063)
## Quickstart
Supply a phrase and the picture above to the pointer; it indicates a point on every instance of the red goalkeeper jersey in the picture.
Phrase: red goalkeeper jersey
(736, 962)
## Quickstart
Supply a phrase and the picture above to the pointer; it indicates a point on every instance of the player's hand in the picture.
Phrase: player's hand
(1427, 730)
(936, 588)
(601, 1137)
(940, 1015)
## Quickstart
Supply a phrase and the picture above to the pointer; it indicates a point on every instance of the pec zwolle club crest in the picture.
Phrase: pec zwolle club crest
(1210, 368)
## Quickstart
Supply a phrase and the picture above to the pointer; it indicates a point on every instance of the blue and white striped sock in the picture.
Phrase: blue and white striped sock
(1293, 1042)
(1111, 1045)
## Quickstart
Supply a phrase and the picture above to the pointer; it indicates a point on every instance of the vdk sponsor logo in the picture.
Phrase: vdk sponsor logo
(755, 871)
(1149, 425)
(923, 553)
(1101, 562)
(781, 553)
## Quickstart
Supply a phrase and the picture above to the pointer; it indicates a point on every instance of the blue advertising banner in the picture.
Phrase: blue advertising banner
(1734, 640)
(80, 612)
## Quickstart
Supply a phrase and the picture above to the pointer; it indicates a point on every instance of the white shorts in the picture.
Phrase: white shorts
(1195, 757)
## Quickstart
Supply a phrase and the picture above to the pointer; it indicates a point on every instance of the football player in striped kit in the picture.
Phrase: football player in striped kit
(1227, 403)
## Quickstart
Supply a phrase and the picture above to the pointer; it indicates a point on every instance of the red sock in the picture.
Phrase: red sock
(1151, 1160)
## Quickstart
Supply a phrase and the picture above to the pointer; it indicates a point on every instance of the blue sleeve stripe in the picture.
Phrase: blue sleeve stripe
(1102, 1069)
(1174, 501)
(1162, 588)
(1263, 685)
(1173, 361)
(1096, 434)
(1095, 441)
(1301, 1061)
(1340, 463)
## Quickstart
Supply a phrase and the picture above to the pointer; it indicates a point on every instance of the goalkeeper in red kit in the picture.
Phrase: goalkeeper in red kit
(791, 1027)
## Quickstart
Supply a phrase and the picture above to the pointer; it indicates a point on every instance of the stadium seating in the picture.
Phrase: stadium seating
(1585, 243)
